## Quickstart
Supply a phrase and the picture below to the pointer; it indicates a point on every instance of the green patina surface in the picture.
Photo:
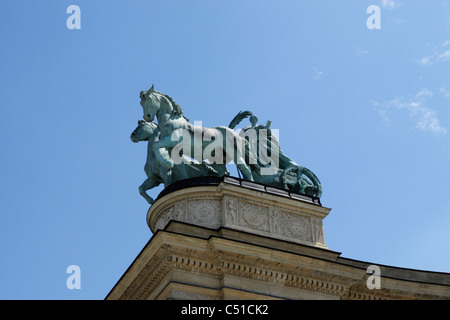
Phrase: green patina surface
(179, 150)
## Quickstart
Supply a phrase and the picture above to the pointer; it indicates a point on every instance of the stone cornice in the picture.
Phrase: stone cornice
(217, 259)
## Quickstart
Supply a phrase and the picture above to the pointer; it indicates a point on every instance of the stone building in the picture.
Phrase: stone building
(226, 238)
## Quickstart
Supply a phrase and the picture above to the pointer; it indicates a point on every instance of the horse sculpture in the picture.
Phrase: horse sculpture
(181, 136)
(288, 174)
(174, 140)
(149, 131)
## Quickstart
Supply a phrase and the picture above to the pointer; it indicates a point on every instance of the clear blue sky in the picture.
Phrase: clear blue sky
(368, 111)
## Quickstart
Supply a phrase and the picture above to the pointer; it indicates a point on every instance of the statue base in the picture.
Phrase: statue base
(231, 239)
(241, 205)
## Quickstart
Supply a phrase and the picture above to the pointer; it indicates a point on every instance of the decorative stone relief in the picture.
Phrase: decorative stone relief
(231, 214)
(275, 221)
(298, 226)
(318, 231)
(164, 218)
(246, 212)
(254, 216)
(180, 211)
(176, 212)
(204, 213)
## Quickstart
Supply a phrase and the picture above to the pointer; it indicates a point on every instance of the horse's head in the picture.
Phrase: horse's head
(144, 131)
(150, 103)
(153, 101)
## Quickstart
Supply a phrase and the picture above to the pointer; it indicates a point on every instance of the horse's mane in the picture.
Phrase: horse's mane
(152, 124)
(177, 111)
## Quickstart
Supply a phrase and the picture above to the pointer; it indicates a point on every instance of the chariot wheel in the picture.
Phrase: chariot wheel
(310, 186)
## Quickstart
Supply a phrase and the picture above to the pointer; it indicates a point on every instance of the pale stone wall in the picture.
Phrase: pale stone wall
(242, 209)
(231, 242)
(191, 262)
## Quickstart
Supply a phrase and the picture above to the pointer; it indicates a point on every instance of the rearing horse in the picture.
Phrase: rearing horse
(176, 131)
(149, 131)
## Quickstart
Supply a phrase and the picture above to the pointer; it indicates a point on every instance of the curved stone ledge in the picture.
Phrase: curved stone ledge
(252, 210)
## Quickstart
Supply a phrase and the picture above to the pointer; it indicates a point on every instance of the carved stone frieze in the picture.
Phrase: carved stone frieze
(205, 213)
(289, 275)
(289, 219)
(235, 243)
(297, 226)
(253, 216)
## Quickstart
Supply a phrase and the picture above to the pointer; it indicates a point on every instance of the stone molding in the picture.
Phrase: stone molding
(242, 209)
(183, 267)
(228, 241)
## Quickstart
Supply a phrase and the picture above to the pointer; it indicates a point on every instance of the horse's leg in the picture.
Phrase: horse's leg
(161, 147)
(148, 184)
(246, 172)
(163, 157)
(245, 169)
(166, 176)
(236, 150)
